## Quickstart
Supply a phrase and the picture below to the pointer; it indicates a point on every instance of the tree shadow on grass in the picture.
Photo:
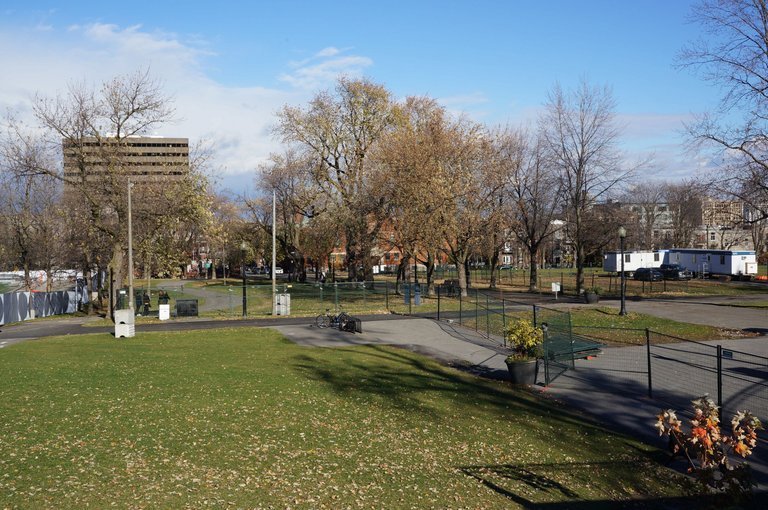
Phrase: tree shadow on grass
(405, 381)
(534, 486)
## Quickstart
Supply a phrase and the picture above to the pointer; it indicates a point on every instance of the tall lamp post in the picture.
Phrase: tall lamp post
(243, 249)
(130, 250)
(622, 237)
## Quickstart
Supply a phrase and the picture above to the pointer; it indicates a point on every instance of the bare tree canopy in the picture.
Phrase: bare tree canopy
(733, 55)
(581, 136)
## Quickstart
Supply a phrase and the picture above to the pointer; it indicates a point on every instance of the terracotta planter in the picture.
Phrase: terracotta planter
(591, 297)
(522, 372)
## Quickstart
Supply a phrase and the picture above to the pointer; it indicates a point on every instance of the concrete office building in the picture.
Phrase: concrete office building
(142, 158)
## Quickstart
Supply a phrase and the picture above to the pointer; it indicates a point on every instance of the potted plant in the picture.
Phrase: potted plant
(592, 295)
(526, 342)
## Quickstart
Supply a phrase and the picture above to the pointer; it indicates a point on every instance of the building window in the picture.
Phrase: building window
(655, 257)
(722, 260)
(627, 256)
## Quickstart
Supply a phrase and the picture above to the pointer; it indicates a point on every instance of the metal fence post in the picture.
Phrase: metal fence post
(504, 322)
(720, 379)
(460, 306)
(648, 357)
(438, 302)
(487, 317)
(386, 295)
(535, 321)
(336, 294)
(477, 304)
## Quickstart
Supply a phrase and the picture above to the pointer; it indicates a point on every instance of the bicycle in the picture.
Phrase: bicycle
(326, 320)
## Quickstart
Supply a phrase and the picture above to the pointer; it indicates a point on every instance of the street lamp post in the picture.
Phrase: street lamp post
(622, 237)
(130, 250)
(243, 249)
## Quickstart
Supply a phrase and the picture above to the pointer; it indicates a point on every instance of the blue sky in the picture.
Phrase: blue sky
(231, 65)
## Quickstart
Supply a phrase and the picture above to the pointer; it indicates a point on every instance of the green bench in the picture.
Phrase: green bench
(561, 348)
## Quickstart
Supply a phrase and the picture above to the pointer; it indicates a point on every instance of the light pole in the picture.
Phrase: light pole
(622, 237)
(243, 249)
(130, 250)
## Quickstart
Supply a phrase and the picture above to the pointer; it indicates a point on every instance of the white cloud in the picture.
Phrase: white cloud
(235, 121)
(324, 68)
(328, 52)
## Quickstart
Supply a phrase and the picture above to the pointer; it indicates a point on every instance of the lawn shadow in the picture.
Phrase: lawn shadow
(404, 380)
(533, 486)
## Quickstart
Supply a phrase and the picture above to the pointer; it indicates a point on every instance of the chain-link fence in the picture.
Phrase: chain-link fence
(676, 370)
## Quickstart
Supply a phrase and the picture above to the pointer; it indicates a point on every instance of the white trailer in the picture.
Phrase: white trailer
(706, 262)
(702, 262)
(633, 260)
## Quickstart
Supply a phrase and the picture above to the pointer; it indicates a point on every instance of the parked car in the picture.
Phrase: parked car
(648, 274)
(675, 272)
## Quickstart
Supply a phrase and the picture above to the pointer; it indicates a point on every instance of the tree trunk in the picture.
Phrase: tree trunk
(116, 268)
(467, 273)
(430, 274)
(494, 270)
(401, 272)
(461, 268)
(533, 285)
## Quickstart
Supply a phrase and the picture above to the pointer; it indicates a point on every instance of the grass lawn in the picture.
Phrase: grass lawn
(244, 418)
(606, 324)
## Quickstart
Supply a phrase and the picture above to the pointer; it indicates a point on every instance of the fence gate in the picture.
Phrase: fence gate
(558, 337)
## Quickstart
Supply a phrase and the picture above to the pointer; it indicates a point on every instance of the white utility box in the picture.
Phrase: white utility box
(125, 324)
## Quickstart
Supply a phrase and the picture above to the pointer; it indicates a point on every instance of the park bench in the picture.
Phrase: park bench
(449, 288)
(563, 347)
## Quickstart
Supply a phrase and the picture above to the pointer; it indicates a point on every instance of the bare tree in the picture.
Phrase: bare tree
(124, 106)
(533, 189)
(732, 55)
(648, 198)
(684, 202)
(289, 175)
(581, 136)
(29, 202)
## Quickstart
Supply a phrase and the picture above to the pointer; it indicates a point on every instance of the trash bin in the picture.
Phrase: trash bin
(283, 304)
(416, 294)
(186, 308)
(122, 299)
(124, 324)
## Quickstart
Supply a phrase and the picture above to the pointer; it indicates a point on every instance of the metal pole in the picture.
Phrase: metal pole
(648, 356)
(130, 250)
(274, 255)
(487, 317)
(720, 378)
(438, 302)
(504, 322)
(623, 310)
(245, 299)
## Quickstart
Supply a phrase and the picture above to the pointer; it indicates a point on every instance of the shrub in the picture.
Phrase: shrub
(706, 447)
(525, 340)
